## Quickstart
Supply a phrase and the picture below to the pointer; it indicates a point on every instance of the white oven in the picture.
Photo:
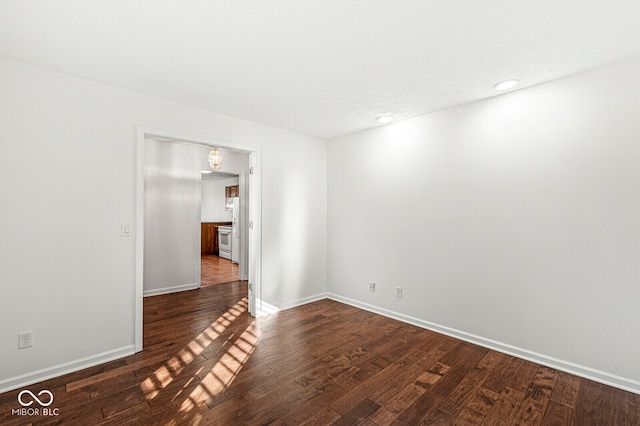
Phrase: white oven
(224, 241)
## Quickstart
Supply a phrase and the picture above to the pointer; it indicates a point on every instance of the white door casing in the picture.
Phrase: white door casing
(254, 264)
(254, 261)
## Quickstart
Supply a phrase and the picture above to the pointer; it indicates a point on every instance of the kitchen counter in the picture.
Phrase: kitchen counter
(209, 237)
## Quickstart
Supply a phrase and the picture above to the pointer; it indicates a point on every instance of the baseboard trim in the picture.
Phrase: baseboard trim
(562, 365)
(599, 376)
(302, 301)
(268, 308)
(23, 380)
(167, 290)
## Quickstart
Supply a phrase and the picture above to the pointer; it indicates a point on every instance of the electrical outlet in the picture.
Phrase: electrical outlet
(24, 339)
(399, 292)
(372, 286)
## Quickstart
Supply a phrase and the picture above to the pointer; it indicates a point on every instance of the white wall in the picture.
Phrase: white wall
(513, 222)
(68, 173)
(214, 199)
(171, 217)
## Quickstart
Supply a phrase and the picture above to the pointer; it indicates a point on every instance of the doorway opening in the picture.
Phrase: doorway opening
(243, 161)
(223, 227)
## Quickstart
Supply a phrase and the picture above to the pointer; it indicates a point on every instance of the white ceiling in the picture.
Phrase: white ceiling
(323, 68)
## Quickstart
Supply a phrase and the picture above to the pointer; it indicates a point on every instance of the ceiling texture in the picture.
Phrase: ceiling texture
(322, 68)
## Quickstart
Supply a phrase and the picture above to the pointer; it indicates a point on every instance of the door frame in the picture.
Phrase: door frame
(254, 210)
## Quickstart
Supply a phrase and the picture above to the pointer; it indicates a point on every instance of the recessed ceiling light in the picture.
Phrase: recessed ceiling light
(508, 84)
(206, 172)
(386, 119)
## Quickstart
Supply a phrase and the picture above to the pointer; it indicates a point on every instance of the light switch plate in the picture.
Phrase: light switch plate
(125, 230)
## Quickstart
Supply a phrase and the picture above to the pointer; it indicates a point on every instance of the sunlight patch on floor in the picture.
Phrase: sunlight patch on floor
(164, 375)
(226, 369)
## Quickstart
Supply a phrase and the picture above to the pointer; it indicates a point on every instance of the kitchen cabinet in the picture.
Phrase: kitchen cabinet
(230, 192)
(209, 237)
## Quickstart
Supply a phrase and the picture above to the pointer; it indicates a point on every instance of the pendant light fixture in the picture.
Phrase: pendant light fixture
(215, 158)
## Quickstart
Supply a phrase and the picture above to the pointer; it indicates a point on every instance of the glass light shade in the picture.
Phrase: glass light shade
(215, 159)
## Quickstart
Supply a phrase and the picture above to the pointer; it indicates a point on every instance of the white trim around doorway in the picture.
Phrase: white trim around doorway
(255, 199)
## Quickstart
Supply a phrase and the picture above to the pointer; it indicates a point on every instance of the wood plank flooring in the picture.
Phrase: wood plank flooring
(217, 270)
(207, 362)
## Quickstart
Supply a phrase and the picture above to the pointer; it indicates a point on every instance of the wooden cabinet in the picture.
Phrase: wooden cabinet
(229, 193)
(209, 237)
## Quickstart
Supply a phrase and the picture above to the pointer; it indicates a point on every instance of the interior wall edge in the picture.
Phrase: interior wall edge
(267, 308)
(301, 302)
(37, 376)
(167, 290)
(585, 372)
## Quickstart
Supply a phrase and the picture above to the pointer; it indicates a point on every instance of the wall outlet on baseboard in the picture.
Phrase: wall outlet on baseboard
(399, 292)
(372, 286)
(25, 339)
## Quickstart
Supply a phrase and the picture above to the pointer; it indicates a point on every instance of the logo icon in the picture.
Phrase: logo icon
(35, 398)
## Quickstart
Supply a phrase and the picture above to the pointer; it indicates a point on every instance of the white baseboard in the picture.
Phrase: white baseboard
(65, 368)
(558, 364)
(302, 301)
(265, 308)
(166, 290)
(268, 308)
(569, 367)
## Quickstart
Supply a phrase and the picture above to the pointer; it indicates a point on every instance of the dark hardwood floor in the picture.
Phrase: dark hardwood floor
(216, 270)
(207, 362)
